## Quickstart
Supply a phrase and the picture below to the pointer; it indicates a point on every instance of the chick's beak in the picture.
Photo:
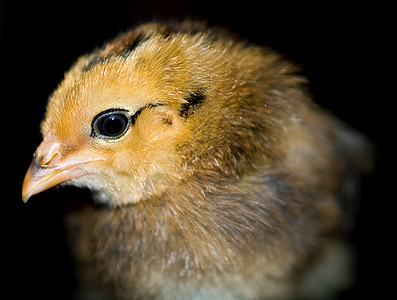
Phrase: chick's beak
(49, 168)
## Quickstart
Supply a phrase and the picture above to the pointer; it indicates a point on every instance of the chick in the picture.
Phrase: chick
(214, 175)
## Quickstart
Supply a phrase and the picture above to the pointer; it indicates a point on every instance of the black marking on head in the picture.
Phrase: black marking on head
(133, 45)
(94, 61)
(193, 100)
(138, 112)
(151, 105)
(125, 52)
(135, 116)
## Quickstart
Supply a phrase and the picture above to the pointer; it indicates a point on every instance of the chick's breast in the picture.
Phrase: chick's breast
(217, 176)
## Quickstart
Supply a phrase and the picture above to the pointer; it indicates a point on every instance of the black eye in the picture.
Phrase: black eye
(110, 124)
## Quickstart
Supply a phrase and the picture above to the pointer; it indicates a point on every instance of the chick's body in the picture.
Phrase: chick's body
(218, 177)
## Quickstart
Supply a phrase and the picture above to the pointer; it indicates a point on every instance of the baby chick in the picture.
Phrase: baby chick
(214, 175)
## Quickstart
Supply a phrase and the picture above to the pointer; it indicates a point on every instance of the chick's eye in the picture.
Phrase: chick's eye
(113, 125)
(110, 125)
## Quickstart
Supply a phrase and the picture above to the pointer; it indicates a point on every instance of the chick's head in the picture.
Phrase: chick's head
(155, 106)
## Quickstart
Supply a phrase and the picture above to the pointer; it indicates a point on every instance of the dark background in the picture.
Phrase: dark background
(343, 47)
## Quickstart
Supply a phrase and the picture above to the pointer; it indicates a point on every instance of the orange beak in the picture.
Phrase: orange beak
(49, 168)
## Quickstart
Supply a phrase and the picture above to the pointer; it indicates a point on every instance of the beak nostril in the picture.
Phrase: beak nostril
(45, 159)
(46, 152)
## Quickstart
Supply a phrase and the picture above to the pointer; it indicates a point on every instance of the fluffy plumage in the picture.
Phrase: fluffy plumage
(226, 182)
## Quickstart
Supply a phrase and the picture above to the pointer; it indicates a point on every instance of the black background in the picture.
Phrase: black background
(344, 49)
